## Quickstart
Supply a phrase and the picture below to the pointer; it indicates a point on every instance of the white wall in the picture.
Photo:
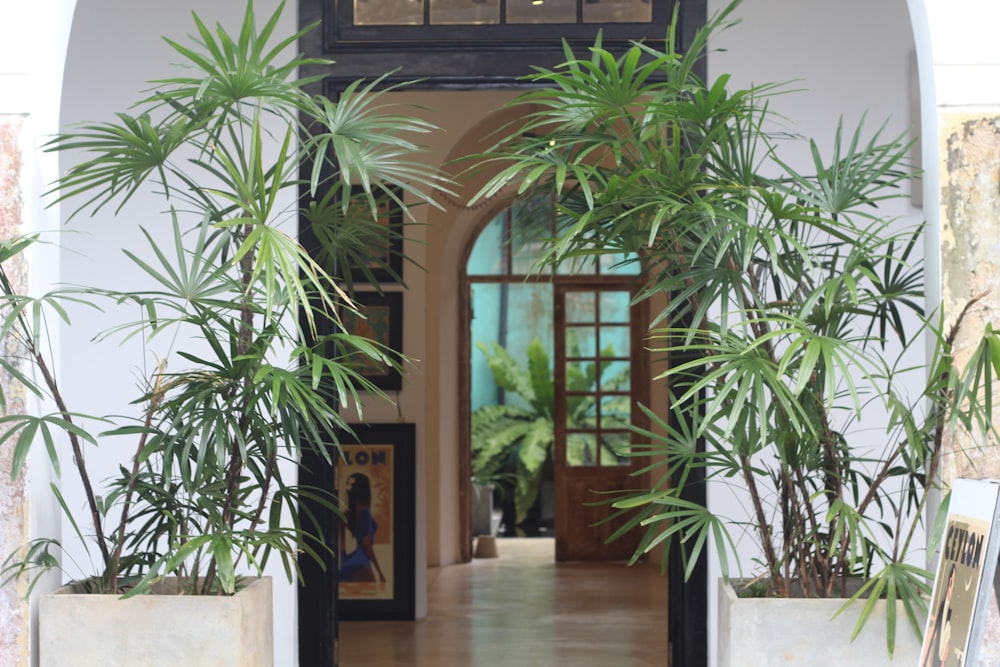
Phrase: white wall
(33, 39)
(846, 59)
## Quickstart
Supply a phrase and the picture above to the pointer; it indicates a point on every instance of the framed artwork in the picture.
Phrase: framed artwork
(385, 264)
(381, 320)
(374, 478)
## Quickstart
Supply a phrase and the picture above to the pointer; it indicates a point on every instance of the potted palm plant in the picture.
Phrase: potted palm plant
(794, 312)
(251, 358)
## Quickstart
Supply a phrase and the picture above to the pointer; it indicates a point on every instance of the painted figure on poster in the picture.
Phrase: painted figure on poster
(935, 651)
(360, 564)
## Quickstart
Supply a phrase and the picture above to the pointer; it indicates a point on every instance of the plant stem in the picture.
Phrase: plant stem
(78, 457)
(154, 400)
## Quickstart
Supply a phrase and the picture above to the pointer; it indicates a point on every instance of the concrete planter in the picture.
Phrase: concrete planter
(766, 632)
(77, 630)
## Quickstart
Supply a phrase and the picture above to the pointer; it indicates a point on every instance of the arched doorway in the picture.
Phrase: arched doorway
(553, 377)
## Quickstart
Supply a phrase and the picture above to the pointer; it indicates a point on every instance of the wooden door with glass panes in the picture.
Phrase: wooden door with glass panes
(601, 378)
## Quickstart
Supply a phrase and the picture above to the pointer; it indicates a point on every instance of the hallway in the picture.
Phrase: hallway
(524, 609)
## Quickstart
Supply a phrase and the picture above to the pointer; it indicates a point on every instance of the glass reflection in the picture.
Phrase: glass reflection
(616, 341)
(388, 12)
(464, 12)
(615, 448)
(581, 307)
(615, 413)
(616, 375)
(617, 11)
(581, 449)
(548, 11)
(615, 306)
(581, 342)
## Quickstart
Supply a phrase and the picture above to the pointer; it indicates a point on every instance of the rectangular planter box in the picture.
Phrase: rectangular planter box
(78, 630)
(766, 632)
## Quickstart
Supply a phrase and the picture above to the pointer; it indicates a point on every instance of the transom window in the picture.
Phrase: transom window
(514, 244)
(489, 25)
(492, 12)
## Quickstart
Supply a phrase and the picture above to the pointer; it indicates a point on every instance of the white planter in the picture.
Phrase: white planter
(157, 630)
(761, 632)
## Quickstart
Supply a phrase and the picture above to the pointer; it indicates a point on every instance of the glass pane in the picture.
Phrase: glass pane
(615, 342)
(580, 377)
(581, 307)
(581, 449)
(617, 11)
(615, 412)
(578, 266)
(581, 412)
(388, 12)
(615, 306)
(614, 449)
(510, 315)
(464, 12)
(616, 376)
(581, 342)
(620, 264)
(531, 227)
(487, 257)
(541, 11)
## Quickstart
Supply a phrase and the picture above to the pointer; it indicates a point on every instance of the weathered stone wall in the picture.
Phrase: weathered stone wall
(970, 267)
(14, 618)
(970, 257)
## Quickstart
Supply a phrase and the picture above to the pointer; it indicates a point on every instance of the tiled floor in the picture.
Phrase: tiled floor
(523, 609)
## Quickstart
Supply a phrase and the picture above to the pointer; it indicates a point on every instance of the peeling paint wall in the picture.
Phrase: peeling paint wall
(13, 494)
(970, 256)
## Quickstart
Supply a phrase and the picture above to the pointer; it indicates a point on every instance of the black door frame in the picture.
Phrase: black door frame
(318, 633)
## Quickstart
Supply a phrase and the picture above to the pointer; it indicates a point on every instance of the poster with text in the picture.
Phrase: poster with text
(964, 580)
(365, 481)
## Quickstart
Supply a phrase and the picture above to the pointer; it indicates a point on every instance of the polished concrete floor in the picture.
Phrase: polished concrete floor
(523, 609)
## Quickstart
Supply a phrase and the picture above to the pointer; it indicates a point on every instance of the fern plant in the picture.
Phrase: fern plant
(512, 442)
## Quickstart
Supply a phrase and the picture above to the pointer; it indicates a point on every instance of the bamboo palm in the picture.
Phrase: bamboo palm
(258, 358)
(794, 304)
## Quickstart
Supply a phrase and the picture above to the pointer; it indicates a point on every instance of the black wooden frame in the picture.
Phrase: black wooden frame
(390, 379)
(401, 437)
(402, 607)
(388, 267)
(491, 54)
(340, 34)
(452, 65)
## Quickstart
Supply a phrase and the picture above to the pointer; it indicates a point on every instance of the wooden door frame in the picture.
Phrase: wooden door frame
(640, 389)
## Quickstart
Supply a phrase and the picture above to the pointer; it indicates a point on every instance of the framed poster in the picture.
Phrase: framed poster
(965, 597)
(380, 320)
(374, 478)
(385, 259)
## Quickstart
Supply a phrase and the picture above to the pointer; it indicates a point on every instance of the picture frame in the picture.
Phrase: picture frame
(381, 320)
(383, 263)
(381, 587)
(386, 260)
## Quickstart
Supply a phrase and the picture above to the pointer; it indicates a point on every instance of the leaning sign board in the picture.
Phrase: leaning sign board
(965, 588)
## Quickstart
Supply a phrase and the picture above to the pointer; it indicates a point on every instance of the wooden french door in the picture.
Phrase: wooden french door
(601, 377)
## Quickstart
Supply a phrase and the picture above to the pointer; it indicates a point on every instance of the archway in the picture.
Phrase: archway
(555, 376)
